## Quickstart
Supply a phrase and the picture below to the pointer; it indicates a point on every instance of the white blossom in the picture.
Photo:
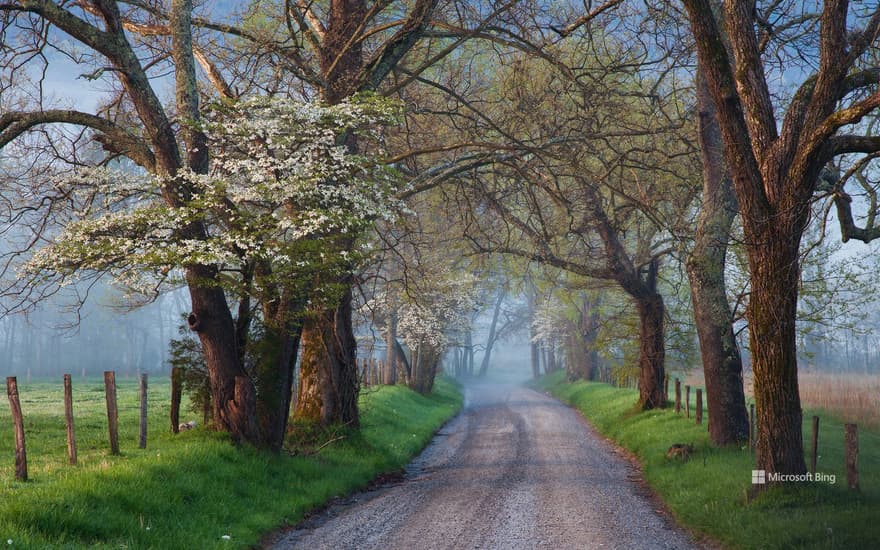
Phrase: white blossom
(279, 177)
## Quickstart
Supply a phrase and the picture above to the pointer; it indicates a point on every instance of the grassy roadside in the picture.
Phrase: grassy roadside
(707, 494)
(192, 490)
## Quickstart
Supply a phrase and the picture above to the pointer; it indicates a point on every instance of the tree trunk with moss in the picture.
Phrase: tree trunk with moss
(713, 317)
(328, 377)
(424, 369)
(328, 383)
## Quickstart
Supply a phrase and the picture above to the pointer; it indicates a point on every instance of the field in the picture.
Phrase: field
(848, 397)
(708, 493)
(195, 489)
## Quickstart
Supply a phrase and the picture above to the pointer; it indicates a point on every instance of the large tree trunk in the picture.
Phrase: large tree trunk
(588, 329)
(775, 176)
(274, 369)
(328, 374)
(771, 314)
(212, 321)
(722, 364)
(328, 388)
(211, 318)
(424, 369)
(274, 380)
(652, 352)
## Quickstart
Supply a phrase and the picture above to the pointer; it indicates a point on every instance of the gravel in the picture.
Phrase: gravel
(516, 469)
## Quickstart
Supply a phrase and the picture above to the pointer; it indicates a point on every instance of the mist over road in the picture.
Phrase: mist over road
(516, 469)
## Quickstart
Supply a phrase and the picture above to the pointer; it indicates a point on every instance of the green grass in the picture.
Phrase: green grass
(189, 490)
(708, 493)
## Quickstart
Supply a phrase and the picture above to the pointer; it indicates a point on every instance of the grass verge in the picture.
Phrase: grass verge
(193, 490)
(708, 493)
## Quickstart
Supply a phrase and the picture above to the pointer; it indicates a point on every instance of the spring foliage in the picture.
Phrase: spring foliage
(280, 178)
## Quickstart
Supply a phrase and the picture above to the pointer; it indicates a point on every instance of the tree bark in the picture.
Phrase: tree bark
(722, 364)
(389, 377)
(588, 326)
(329, 375)
(424, 369)
(212, 321)
(651, 352)
(273, 371)
(775, 176)
(329, 388)
(211, 318)
(345, 72)
(772, 312)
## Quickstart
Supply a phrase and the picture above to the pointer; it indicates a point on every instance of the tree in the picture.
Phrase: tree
(775, 173)
(574, 203)
(239, 224)
(328, 387)
(98, 27)
(706, 263)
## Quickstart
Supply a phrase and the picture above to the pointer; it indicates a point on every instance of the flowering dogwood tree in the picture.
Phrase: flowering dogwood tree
(425, 323)
(280, 184)
(279, 180)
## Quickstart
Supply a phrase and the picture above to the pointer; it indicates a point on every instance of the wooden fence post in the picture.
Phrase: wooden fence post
(176, 394)
(112, 410)
(814, 445)
(852, 456)
(699, 405)
(142, 439)
(21, 472)
(677, 396)
(687, 400)
(666, 388)
(68, 420)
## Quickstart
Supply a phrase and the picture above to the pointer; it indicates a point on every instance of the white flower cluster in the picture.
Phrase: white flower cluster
(444, 310)
(281, 173)
(549, 322)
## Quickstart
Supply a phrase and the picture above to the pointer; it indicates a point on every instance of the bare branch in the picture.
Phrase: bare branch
(113, 137)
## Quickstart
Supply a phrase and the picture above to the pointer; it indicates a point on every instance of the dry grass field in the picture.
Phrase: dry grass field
(849, 397)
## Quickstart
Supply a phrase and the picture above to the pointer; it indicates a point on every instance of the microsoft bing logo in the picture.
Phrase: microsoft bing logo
(761, 477)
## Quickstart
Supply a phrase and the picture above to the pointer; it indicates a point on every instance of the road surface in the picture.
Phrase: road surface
(516, 469)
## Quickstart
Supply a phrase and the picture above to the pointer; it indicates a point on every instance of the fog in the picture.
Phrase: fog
(57, 337)
(105, 333)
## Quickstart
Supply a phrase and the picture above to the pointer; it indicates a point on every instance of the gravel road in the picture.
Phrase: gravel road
(516, 469)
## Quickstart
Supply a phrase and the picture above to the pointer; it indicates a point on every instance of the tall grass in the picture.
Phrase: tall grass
(708, 494)
(849, 397)
(195, 489)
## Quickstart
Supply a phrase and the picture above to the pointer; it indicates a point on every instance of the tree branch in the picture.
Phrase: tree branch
(396, 47)
(586, 18)
(113, 137)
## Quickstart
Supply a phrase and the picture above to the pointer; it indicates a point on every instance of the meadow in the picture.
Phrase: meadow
(851, 397)
(710, 493)
(195, 489)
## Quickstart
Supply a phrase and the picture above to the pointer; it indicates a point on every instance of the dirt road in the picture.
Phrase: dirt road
(516, 469)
